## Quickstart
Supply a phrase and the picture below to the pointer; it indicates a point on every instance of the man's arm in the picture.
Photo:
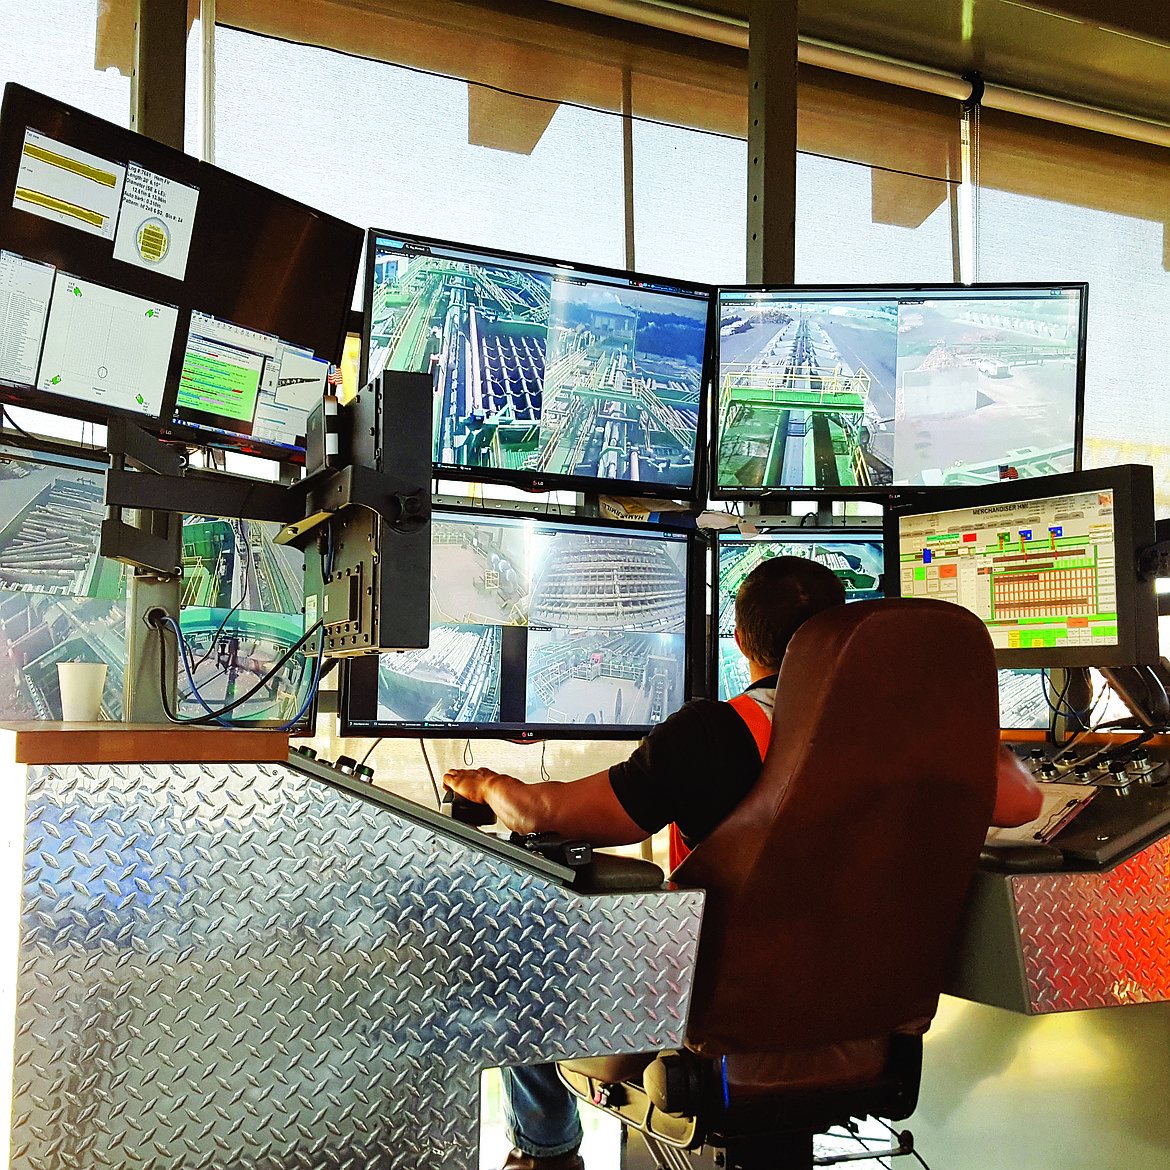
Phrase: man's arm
(579, 810)
(1017, 795)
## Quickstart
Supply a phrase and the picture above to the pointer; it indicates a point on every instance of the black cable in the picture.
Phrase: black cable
(243, 595)
(895, 1133)
(468, 754)
(422, 743)
(162, 675)
(544, 775)
(372, 746)
(13, 423)
(214, 715)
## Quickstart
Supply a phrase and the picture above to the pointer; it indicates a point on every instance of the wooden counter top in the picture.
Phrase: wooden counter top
(1094, 738)
(38, 741)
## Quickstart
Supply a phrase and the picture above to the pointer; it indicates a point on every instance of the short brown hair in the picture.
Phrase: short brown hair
(776, 598)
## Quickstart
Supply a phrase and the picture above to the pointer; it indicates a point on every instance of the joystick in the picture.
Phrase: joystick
(467, 812)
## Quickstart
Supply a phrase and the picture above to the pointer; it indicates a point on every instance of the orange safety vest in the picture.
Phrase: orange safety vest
(761, 728)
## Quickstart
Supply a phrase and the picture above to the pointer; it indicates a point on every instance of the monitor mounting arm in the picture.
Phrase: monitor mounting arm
(369, 503)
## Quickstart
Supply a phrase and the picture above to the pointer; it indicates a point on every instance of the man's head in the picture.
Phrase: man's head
(775, 599)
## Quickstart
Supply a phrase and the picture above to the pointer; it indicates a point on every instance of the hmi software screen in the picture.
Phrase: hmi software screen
(238, 381)
(868, 389)
(81, 339)
(855, 557)
(1040, 574)
(539, 623)
(544, 369)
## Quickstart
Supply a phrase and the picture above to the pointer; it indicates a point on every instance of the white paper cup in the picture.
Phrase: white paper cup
(81, 690)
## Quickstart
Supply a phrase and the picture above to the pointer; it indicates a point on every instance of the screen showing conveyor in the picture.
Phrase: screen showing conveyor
(546, 374)
(1052, 575)
(242, 598)
(856, 557)
(854, 390)
(538, 628)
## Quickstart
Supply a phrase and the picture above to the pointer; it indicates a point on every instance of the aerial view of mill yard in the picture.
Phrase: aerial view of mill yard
(60, 601)
(597, 620)
(547, 376)
(867, 394)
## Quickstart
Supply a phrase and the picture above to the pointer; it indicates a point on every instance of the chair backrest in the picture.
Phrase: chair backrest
(834, 888)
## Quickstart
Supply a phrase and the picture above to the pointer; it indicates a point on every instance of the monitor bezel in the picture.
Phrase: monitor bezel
(24, 108)
(795, 532)
(1133, 509)
(859, 291)
(539, 481)
(360, 675)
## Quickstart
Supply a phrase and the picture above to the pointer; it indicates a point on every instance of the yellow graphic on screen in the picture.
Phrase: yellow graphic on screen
(152, 240)
(61, 206)
(95, 174)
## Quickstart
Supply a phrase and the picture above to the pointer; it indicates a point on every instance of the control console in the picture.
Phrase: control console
(1131, 806)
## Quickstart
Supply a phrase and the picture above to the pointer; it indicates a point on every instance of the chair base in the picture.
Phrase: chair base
(769, 1132)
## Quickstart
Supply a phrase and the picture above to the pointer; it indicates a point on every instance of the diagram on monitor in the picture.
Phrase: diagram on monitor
(106, 346)
(1040, 574)
(68, 186)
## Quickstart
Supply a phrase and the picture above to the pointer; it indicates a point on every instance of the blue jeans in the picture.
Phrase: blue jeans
(541, 1114)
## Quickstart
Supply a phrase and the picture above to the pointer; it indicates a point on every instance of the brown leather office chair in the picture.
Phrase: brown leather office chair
(833, 893)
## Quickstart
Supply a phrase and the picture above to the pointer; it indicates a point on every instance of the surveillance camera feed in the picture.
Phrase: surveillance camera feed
(543, 370)
(62, 602)
(242, 600)
(538, 625)
(856, 557)
(1023, 701)
(832, 388)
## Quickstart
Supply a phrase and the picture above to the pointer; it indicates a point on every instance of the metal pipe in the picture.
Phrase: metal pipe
(731, 30)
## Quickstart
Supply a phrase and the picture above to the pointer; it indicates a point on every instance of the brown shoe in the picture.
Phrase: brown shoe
(518, 1161)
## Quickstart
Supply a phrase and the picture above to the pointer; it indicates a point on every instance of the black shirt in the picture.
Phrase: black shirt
(692, 769)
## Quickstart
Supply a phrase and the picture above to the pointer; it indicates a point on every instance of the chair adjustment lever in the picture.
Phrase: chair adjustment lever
(905, 1146)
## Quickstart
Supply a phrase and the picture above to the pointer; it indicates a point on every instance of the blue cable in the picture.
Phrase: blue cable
(1061, 701)
(182, 641)
(170, 621)
(313, 686)
(726, 1094)
(310, 695)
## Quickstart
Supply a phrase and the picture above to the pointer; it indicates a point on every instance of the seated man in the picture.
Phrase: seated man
(668, 780)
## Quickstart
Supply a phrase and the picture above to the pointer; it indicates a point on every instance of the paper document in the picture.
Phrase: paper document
(1062, 802)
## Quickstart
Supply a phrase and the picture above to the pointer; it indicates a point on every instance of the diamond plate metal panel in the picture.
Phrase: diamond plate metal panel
(1097, 939)
(236, 965)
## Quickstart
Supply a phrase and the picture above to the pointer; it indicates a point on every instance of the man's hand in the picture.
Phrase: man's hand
(473, 783)
(582, 810)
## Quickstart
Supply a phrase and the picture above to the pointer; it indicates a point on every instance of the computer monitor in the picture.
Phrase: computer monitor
(856, 390)
(137, 281)
(1025, 703)
(546, 374)
(1049, 565)
(242, 598)
(542, 628)
(855, 555)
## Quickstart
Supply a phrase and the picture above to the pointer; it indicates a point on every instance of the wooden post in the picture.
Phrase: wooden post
(159, 76)
(771, 187)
